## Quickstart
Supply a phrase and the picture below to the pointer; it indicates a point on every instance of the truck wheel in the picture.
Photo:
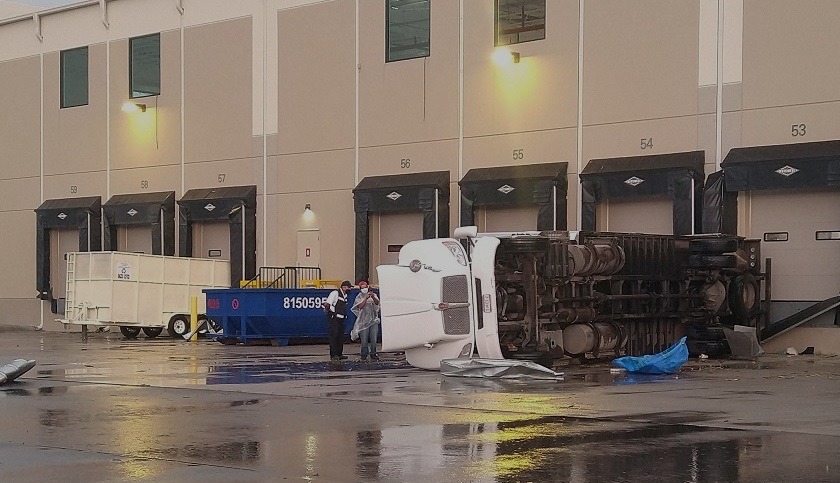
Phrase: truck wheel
(152, 332)
(525, 244)
(130, 332)
(179, 325)
(743, 296)
(711, 261)
(713, 245)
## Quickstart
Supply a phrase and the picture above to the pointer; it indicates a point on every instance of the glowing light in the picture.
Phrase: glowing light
(503, 56)
(308, 214)
(133, 107)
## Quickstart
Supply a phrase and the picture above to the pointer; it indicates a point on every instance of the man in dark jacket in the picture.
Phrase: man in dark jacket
(336, 308)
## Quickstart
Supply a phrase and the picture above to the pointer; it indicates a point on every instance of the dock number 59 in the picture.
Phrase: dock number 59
(303, 302)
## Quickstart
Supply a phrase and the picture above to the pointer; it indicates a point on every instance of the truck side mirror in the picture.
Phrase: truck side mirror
(464, 232)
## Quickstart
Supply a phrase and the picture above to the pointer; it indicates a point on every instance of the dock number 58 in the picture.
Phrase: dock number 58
(303, 302)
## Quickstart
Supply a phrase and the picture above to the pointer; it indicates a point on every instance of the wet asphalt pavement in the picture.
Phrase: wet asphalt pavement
(111, 409)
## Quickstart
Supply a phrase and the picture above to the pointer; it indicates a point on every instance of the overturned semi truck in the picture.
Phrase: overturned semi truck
(558, 295)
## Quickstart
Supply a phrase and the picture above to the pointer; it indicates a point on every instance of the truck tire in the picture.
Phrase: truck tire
(525, 244)
(711, 261)
(130, 332)
(713, 245)
(542, 358)
(744, 294)
(152, 332)
(179, 326)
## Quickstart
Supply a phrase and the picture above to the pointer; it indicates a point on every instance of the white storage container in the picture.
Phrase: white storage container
(136, 290)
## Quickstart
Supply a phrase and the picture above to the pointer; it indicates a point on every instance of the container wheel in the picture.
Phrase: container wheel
(152, 332)
(227, 340)
(130, 332)
(179, 326)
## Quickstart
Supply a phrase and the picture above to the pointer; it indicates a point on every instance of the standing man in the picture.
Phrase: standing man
(336, 308)
(366, 308)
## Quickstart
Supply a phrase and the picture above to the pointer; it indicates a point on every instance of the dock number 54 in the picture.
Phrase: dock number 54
(303, 302)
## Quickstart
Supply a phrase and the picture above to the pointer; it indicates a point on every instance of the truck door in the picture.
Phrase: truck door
(427, 302)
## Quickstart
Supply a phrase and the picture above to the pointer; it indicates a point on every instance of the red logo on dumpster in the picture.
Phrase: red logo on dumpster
(213, 304)
(235, 304)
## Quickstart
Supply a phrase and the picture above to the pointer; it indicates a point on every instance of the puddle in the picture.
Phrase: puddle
(279, 372)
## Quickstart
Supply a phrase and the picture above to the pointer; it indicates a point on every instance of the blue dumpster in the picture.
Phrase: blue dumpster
(268, 313)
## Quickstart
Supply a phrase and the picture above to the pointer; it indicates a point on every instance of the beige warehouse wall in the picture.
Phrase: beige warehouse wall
(316, 78)
(640, 60)
(144, 144)
(789, 57)
(539, 93)
(217, 102)
(74, 138)
(20, 118)
(790, 51)
(410, 100)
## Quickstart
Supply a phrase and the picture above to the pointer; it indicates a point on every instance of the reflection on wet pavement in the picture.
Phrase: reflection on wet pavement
(160, 410)
(552, 449)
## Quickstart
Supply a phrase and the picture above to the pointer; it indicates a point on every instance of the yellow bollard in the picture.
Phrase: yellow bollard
(194, 318)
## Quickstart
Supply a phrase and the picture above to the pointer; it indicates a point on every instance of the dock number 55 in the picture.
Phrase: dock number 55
(303, 302)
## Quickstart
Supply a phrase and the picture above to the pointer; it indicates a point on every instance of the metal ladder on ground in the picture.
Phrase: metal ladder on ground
(70, 288)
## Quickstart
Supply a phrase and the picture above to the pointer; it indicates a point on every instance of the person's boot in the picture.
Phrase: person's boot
(374, 357)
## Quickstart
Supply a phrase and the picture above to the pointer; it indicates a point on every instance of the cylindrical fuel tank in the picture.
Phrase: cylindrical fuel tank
(583, 338)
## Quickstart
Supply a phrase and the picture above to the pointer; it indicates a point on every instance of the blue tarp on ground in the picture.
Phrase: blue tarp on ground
(668, 361)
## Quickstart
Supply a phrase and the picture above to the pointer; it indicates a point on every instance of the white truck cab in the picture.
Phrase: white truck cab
(437, 298)
(545, 296)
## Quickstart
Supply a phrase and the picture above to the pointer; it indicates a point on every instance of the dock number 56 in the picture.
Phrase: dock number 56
(303, 302)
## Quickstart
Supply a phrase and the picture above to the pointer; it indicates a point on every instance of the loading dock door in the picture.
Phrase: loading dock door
(61, 243)
(211, 239)
(82, 216)
(425, 193)
(637, 180)
(640, 215)
(141, 223)
(134, 239)
(491, 220)
(804, 268)
(388, 233)
(234, 205)
(515, 198)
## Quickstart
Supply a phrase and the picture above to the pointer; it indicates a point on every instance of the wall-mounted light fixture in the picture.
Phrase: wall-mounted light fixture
(503, 56)
(308, 207)
(308, 214)
(133, 107)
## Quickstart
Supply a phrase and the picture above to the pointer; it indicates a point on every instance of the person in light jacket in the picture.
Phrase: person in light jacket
(366, 308)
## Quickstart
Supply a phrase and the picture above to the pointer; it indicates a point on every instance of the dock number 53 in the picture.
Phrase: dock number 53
(303, 302)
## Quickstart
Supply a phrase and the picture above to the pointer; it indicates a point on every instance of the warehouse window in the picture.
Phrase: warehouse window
(144, 66)
(74, 77)
(407, 29)
(519, 21)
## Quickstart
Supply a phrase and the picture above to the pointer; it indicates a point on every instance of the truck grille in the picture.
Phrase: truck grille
(454, 289)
